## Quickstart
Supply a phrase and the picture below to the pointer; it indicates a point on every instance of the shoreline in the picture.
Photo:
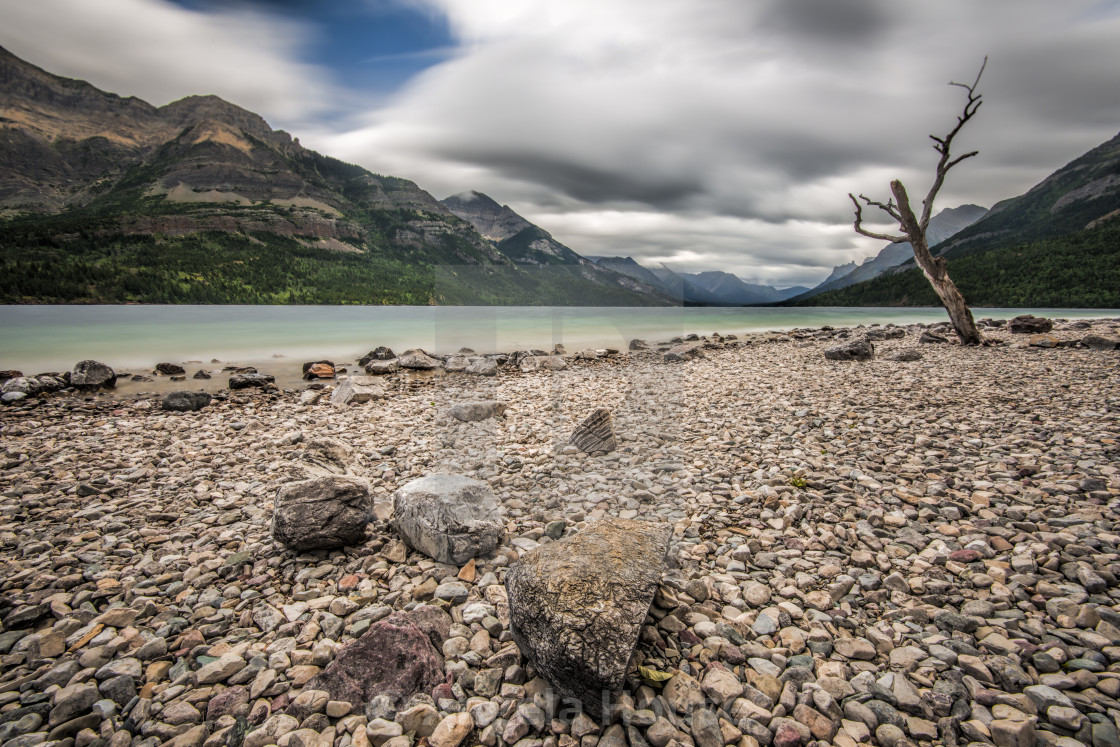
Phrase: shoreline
(883, 552)
(288, 370)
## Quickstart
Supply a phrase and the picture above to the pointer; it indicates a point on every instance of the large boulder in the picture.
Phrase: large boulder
(321, 513)
(250, 380)
(637, 344)
(185, 401)
(450, 518)
(1028, 324)
(398, 656)
(577, 604)
(595, 433)
(473, 411)
(418, 360)
(170, 369)
(929, 337)
(89, 376)
(853, 350)
(357, 389)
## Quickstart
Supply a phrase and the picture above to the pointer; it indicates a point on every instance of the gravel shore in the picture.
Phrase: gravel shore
(885, 552)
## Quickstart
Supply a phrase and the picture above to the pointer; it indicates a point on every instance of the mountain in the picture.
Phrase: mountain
(533, 249)
(731, 290)
(711, 288)
(1057, 245)
(941, 227)
(109, 199)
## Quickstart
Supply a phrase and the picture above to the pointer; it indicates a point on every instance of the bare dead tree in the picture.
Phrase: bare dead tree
(914, 228)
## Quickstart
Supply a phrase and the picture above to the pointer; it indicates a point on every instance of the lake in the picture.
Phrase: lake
(35, 339)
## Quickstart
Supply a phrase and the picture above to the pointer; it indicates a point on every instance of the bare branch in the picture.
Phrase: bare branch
(859, 221)
(943, 144)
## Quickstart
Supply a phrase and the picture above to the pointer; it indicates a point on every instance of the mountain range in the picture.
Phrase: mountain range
(111, 199)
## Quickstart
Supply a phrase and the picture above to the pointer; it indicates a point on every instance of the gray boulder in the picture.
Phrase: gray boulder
(382, 368)
(381, 353)
(418, 360)
(89, 376)
(170, 369)
(577, 604)
(185, 401)
(542, 363)
(457, 363)
(595, 433)
(475, 411)
(323, 512)
(450, 518)
(21, 384)
(482, 367)
(356, 390)
(637, 344)
(907, 355)
(250, 380)
(854, 350)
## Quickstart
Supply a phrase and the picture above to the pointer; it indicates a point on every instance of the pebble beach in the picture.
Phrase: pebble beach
(921, 551)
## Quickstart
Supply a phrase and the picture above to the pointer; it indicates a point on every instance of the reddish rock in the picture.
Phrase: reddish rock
(965, 555)
(349, 583)
(787, 736)
(395, 657)
(233, 701)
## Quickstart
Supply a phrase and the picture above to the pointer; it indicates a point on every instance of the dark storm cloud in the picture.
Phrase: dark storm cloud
(846, 22)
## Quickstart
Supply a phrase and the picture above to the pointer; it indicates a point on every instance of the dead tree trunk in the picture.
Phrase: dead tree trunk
(914, 228)
(934, 269)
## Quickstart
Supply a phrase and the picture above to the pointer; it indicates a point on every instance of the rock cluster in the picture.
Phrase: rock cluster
(891, 553)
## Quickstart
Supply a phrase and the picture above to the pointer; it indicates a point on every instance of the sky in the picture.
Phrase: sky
(705, 135)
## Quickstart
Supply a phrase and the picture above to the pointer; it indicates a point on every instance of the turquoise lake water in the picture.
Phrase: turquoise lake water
(53, 338)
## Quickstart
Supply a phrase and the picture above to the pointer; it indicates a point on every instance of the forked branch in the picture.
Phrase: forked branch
(889, 208)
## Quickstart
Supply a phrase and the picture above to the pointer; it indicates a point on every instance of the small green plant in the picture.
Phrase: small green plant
(798, 482)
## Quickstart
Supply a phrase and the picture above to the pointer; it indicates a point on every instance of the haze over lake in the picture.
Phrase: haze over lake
(53, 338)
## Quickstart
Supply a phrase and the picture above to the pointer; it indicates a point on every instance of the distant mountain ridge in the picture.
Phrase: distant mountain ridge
(710, 288)
(942, 226)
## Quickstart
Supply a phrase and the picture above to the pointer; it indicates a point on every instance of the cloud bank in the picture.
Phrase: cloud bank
(715, 134)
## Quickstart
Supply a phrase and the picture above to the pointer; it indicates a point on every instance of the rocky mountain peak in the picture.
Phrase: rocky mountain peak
(495, 222)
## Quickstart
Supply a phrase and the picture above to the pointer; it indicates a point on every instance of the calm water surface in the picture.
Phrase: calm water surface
(52, 338)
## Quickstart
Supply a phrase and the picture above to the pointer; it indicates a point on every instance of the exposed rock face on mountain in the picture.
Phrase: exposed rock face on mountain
(731, 289)
(495, 222)
(81, 168)
(941, 227)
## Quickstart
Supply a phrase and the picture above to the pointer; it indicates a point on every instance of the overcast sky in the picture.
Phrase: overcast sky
(710, 134)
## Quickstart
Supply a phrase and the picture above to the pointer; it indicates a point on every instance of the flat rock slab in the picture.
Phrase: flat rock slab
(577, 604)
(397, 657)
(450, 518)
(470, 412)
(357, 389)
(595, 433)
(323, 512)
